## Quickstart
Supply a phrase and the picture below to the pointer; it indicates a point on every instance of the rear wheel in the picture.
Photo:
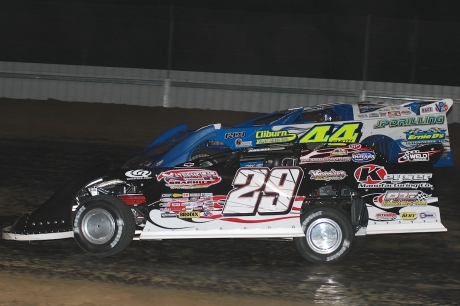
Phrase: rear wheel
(103, 225)
(328, 235)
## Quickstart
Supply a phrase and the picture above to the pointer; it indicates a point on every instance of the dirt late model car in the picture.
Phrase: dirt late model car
(389, 129)
(318, 194)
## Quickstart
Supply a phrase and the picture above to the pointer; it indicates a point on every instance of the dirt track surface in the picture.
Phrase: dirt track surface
(43, 144)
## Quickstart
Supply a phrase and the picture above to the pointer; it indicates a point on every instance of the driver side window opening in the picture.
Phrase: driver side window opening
(270, 160)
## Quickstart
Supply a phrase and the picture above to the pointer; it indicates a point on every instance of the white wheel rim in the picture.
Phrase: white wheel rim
(98, 226)
(324, 236)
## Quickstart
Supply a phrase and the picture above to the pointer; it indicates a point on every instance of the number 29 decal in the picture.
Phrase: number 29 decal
(263, 191)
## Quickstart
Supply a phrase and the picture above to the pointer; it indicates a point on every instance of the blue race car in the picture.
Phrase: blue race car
(391, 130)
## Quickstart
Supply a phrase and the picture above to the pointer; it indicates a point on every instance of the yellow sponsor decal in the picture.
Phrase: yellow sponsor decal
(189, 214)
(403, 203)
(268, 137)
(408, 216)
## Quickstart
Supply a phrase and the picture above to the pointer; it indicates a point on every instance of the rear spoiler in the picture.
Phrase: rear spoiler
(442, 106)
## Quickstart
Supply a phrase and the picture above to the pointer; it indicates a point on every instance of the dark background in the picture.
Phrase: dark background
(408, 41)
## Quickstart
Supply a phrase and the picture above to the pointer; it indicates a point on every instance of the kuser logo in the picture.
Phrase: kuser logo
(370, 174)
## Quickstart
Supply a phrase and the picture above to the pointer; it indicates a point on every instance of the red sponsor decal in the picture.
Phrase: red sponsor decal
(186, 179)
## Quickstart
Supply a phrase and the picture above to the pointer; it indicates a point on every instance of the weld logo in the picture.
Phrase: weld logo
(414, 156)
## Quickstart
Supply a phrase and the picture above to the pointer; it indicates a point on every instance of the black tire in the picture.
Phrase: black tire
(103, 225)
(328, 235)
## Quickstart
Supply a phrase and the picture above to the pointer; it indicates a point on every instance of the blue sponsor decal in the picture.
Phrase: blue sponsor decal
(251, 164)
(427, 214)
(433, 135)
(363, 157)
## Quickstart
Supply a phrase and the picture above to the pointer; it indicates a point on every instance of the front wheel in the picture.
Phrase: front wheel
(328, 235)
(103, 225)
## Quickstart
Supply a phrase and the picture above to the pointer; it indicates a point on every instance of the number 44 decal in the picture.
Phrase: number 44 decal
(345, 133)
(268, 192)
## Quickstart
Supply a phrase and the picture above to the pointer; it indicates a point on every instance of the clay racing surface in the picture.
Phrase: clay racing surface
(44, 144)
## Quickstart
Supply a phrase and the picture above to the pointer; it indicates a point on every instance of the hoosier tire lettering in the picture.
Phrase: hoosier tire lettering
(328, 235)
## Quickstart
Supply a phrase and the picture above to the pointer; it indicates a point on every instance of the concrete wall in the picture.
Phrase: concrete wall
(238, 92)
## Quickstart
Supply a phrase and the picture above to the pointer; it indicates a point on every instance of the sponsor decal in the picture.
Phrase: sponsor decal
(401, 198)
(363, 116)
(386, 216)
(408, 215)
(427, 214)
(427, 109)
(338, 159)
(232, 135)
(433, 135)
(339, 152)
(373, 115)
(332, 175)
(189, 214)
(394, 114)
(375, 176)
(355, 146)
(187, 179)
(363, 157)
(414, 156)
(337, 155)
(251, 164)
(382, 114)
(410, 121)
(168, 215)
(266, 149)
(240, 143)
(441, 107)
(189, 165)
(366, 108)
(406, 112)
(268, 137)
(196, 202)
(140, 174)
